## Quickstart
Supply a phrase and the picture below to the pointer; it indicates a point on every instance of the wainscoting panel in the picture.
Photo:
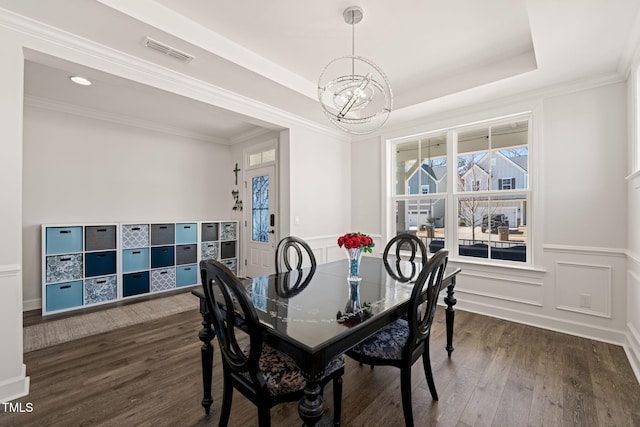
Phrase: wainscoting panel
(519, 290)
(632, 345)
(584, 288)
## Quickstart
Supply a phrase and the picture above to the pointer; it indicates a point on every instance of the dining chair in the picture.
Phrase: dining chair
(261, 373)
(293, 255)
(408, 243)
(402, 342)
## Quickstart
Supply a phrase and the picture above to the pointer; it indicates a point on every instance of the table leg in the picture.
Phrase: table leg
(206, 351)
(311, 406)
(450, 300)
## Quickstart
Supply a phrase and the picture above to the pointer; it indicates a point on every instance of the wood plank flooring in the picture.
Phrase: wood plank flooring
(500, 374)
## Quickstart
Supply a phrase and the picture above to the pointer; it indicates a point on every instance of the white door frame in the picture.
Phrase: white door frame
(249, 171)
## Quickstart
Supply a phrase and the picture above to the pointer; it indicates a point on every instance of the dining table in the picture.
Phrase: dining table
(316, 314)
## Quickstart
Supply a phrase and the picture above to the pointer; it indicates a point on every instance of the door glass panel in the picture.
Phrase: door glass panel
(260, 208)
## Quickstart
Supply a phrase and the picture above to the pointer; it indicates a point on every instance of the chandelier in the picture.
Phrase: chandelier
(354, 92)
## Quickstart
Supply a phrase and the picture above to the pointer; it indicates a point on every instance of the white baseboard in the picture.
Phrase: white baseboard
(32, 304)
(632, 349)
(589, 331)
(15, 387)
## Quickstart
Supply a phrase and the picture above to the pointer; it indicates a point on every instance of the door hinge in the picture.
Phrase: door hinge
(245, 262)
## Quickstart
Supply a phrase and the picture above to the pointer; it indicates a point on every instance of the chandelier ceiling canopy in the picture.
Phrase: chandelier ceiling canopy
(353, 91)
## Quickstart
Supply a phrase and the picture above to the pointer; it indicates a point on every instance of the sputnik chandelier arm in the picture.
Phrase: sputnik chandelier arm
(354, 92)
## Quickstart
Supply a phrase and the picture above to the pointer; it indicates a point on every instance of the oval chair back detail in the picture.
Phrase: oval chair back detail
(293, 245)
(404, 242)
(402, 342)
(261, 373)
(293, 255)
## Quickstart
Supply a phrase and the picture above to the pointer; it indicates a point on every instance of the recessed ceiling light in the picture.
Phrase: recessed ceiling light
(80, 80)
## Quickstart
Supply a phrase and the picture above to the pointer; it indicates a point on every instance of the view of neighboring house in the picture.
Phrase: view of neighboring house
(427, 179)
(502, 171)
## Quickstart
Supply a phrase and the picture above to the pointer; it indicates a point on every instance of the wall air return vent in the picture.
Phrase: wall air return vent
(167, 50)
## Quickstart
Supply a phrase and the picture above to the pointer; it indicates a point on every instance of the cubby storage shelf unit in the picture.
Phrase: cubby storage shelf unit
(90, 264)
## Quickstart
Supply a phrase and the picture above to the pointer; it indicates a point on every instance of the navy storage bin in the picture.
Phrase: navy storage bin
(162, 234)
(99, 263)
(186, 233)
(162, 256)
(209, 231)
(135, 283)
(186, 254)
(187, 275)
(64, 295)
(63, 240)
(100, 238)
(227, 250)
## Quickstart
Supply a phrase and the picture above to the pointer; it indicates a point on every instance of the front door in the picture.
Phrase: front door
(261, 235)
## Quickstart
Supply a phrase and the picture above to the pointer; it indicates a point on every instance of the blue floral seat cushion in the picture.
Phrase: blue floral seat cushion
(387, 343)
(281, 373)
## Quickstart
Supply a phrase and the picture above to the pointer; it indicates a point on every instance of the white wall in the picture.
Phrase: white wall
(84, 170)
(13, 380)
(579, 163)
(633, 231)
(320, 190)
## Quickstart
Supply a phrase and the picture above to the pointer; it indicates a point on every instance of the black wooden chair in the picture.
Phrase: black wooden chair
(294, 249)
(292, 255)
(261, 373)
(402, 342)
(409, 243)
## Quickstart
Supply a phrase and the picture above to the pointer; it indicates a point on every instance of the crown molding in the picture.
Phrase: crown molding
(526, 97)
(152, 74)
(49, 104)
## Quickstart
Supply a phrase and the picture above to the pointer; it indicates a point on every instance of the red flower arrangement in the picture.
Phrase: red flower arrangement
(356, 240)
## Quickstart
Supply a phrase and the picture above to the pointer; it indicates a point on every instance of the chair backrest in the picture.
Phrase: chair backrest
(424, 298)
(293, 253)
(407, 242)
(229, 305)
(404, 242)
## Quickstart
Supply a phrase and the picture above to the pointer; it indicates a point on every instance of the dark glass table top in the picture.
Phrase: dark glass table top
(309, 316)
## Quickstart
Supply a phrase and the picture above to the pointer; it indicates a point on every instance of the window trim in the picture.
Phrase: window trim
(494, 116)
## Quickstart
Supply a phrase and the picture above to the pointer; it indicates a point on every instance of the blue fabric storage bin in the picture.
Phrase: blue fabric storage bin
(135, 260)
(64, 295)
(99, 263)
(186, 233)
(162, 256)
(135, 283)
(187, 275)
(63, 240)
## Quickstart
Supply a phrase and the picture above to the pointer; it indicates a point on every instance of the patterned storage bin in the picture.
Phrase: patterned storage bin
(228, 231)
(100, 289)
(64, 268)
(210, 250)
(135, 236)
(163, 279)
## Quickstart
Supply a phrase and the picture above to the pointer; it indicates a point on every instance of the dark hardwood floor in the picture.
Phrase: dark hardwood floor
(500, 374)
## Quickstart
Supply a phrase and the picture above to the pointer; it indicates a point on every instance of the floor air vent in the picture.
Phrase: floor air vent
(167, 50)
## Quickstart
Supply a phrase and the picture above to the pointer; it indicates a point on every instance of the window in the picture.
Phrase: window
(506, 183)
(266, 156)
(478, 207)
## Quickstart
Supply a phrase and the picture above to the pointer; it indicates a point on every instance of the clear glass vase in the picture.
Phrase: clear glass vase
(355, 256)
(353, 303)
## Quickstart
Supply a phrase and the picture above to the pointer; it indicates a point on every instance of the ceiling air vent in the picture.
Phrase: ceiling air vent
(167, 50)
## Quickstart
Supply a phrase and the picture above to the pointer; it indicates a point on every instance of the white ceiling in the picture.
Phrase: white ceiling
(435, 53)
